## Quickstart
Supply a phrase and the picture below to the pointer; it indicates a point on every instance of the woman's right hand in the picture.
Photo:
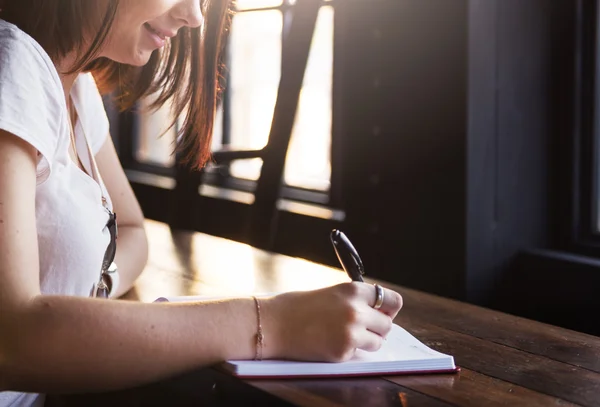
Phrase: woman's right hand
(329, 324)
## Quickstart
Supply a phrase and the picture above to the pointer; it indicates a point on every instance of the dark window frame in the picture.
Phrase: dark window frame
(578, 135)
(220, 177)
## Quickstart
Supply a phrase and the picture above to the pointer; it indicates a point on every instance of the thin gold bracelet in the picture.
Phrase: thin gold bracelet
(259, 333)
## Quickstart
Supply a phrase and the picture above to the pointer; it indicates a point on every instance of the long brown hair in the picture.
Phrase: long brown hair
(186, 72)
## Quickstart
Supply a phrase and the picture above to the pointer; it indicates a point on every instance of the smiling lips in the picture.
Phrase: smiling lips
(160, 34)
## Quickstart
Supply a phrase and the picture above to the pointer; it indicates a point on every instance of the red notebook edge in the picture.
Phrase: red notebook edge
(342, 375)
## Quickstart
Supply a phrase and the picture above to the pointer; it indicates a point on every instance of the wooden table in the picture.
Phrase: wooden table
(505, 360)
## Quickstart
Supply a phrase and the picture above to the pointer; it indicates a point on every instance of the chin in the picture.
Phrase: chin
(137, 57)
(141, 58)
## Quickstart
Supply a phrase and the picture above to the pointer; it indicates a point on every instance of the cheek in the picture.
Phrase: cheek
(125, 46)
(127, 43)
(136, 12)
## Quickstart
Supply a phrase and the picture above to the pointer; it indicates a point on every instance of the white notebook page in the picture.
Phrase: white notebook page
(401, 352)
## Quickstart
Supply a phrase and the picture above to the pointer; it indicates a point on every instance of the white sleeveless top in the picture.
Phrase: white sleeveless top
(70, 219)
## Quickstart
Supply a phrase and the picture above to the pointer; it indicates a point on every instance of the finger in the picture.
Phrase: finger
(392, 301)
(378, 323)
(368, 341)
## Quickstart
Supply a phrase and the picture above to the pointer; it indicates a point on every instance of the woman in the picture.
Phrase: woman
(57, 197)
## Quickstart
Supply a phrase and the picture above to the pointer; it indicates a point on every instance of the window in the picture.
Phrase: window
(255, 52)
(254, 69)
(310, 196)
(155, 141)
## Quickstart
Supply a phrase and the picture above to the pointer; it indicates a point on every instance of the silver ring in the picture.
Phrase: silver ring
(378, 296)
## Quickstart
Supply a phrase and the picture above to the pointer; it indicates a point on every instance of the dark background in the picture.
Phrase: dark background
(463, 155)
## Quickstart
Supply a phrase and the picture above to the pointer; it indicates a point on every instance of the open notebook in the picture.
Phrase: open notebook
(401, 353)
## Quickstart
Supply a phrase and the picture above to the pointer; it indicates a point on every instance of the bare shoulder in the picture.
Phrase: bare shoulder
(19, 268)
(16, 151)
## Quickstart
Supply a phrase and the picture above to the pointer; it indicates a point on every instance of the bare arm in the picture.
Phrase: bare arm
(132, 246)
(102, 345)
(60, 344)
(92, 344)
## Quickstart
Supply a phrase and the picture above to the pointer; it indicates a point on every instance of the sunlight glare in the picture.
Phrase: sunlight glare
(250, 4)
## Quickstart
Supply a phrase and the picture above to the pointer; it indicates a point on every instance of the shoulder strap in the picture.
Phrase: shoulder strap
(94, 167)
(95, 173)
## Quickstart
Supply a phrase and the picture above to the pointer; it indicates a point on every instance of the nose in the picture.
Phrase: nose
(189, 13)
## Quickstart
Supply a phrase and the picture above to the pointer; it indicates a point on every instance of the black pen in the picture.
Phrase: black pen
(347, 255)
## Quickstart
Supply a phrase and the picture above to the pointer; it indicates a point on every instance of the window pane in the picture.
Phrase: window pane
(154, 147)
(308, 163)
(248, 4)
(255, 47)
(217, 138)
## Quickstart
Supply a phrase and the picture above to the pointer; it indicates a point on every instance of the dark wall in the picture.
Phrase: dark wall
(445, 157)
(402, 70)
(510, 115)
(559, 288)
